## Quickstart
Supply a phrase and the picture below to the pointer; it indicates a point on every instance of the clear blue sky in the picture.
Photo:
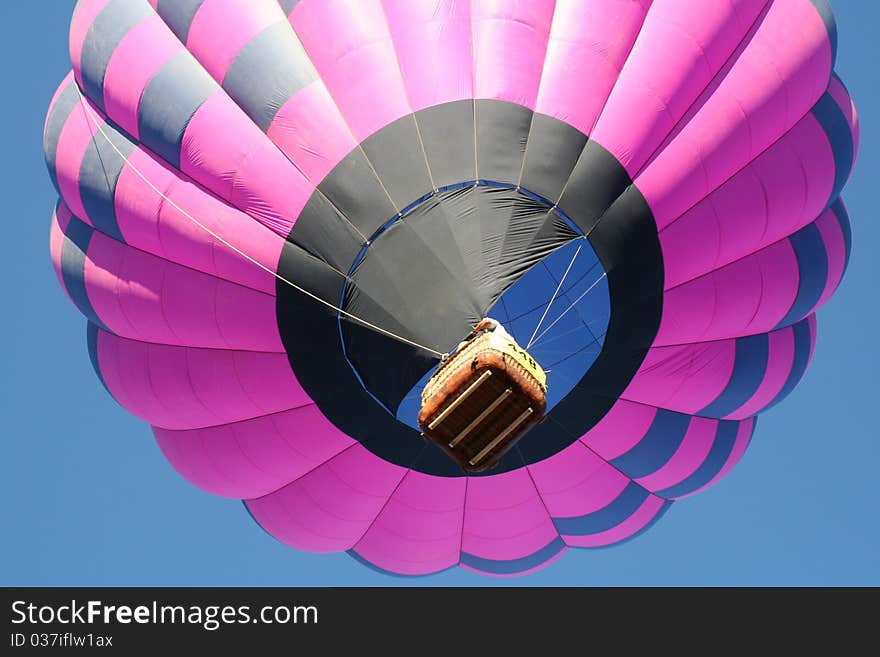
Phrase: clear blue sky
(89, 499)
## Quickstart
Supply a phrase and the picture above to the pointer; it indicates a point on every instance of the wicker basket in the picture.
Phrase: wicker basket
(483, 398)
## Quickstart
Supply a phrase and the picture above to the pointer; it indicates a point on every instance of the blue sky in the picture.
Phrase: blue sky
(91, 501)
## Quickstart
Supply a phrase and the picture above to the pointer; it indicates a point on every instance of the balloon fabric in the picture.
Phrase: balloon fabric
(276, 215)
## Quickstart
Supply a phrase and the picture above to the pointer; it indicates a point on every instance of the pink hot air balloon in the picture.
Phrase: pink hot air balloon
(276, 215)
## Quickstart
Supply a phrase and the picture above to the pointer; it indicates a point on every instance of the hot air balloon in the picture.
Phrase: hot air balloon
(278, 215)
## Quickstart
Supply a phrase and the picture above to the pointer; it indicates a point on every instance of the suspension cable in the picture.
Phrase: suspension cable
(97, 124)
(555, 294)
(573, 304)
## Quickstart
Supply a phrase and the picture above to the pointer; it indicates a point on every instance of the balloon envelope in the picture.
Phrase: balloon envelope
(239, 181)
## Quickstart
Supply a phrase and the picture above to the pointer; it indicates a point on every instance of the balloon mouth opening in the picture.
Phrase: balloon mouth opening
(558, 303)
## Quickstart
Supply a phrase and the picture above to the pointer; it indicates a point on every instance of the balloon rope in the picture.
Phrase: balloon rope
(576, 302)
(553, 298)
(94, 120)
